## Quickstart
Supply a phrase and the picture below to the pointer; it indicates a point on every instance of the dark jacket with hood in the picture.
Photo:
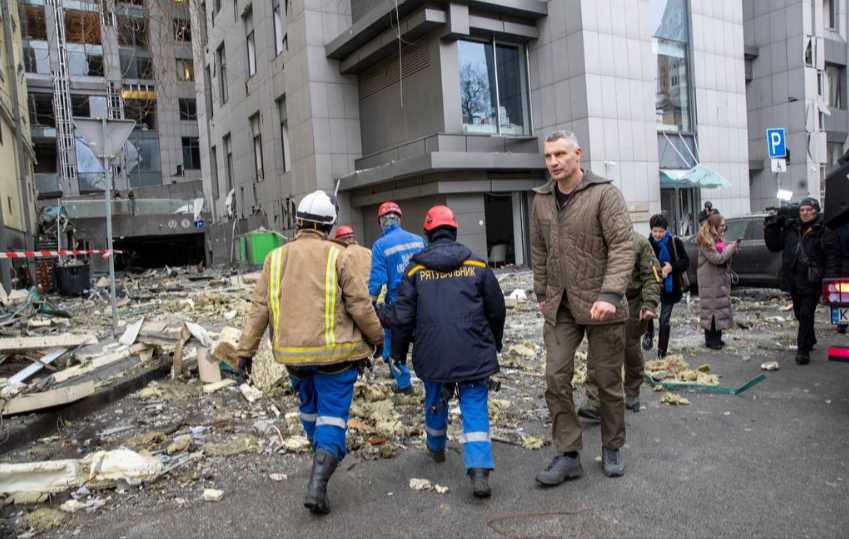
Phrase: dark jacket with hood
(680, 262)
(803, 246)
(450, 305)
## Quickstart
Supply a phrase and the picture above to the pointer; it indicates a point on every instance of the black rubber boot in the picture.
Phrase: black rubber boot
(437, 456)
(323, 466)
(663, 341)
(480, 482)
(803, 358)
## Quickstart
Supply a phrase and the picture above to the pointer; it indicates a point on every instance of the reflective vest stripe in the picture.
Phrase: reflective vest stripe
(331, 421)
(474, 437)
(308, 418)
(415, 269)
(435, 432)
(477, 263)
(330, 298)
(320, 354)
(275, 278)
(403, 247)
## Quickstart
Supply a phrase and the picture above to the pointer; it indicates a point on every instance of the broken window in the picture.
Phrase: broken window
(182, 30)
(188, 109)
(185, 70)
(278, 27)
(135, 67)
(221, 60)
(256, 132)
(132, 32)
(80, 106)
(41, 110)
(284, 131)
(191, 153)
(95, 65)
(143, 111)
(33, 23)
(82, 27)
(835, 81)
(228, 158)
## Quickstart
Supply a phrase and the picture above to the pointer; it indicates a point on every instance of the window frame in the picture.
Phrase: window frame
(278, 24)
(256, 140)
(181, 65)
(227, 142)
(188, 103)
(283, 125)
(831, 15)
(250, 41)
(221, 61)
(213, 172)
(525, 82)
(186, 26)
(194, 152)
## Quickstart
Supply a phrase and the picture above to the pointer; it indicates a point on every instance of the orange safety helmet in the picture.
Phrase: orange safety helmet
(388, 207)
(439, 216)
(344, 230)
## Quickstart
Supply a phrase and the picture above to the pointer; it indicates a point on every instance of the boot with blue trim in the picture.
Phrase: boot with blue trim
(323, 466)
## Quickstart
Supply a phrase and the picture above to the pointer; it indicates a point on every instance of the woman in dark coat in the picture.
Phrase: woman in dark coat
(674, 262)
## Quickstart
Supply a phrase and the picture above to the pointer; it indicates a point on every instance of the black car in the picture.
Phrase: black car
(754, 266)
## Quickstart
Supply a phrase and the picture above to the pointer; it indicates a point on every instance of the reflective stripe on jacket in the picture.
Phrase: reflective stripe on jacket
(315, 299)
(390, 256)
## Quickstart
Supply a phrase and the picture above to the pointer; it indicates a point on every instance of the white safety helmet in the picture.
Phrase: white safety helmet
(317, 207)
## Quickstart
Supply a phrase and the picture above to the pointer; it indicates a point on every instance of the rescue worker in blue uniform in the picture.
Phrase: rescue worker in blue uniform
(390, 255)
(451, 305)
(312, 294)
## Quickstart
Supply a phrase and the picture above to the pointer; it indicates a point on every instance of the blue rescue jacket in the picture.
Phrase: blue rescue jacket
(390, 255)
(451, 306)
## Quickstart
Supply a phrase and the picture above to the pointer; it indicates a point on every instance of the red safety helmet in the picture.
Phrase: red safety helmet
(388, 207)
(439, 216)
(344, 230)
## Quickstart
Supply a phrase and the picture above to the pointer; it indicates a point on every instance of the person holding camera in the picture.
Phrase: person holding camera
(810, 251)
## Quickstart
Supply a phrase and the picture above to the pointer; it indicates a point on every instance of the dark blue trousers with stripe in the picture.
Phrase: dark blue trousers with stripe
(477, 445)
(325, 401)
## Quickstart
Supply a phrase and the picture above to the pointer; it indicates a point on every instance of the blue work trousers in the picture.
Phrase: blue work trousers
(477, 445)
(325, 400)
(399, 370)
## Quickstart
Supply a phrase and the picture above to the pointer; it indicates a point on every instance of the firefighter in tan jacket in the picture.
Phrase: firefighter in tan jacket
(360, 255)
(315, 299)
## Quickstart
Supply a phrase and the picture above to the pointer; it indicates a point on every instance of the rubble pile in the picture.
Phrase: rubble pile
(180, 434)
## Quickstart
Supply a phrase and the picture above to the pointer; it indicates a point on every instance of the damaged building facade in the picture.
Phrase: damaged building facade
(127, 59)
(796, 58)
(449, 102)
(16, 154)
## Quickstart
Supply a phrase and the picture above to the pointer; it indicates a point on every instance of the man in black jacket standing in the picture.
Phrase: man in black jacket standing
(810, 251)
(450, 304)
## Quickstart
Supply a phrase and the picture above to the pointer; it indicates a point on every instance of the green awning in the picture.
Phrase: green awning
(698, 176)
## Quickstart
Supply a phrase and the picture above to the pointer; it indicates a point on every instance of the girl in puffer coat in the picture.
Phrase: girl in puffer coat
(714, 283)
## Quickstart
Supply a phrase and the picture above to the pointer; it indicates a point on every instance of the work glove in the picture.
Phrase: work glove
(244, 365)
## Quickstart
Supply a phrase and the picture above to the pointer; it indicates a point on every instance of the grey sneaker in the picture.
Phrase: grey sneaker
(612, 462)
(560, 469)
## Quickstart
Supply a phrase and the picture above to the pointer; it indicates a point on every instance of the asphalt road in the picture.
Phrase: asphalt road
(772, 462)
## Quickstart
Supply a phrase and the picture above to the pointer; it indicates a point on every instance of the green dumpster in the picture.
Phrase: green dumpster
(256, 244)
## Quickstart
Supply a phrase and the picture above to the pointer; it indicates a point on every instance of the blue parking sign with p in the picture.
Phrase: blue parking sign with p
(776, 143)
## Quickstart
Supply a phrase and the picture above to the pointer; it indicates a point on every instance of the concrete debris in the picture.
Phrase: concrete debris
(131, 333)
(44, 519)
(226, 347)
(673, 399)
(245, 443)
(213, 495)
(250, 393)
(296, 444)
(673, 368)
(103, 282)
(180, 444)
(770, 366)
(90, 506)
(425, 484)
(121, 465)
(209, 389)
(518, 295)
(278, 477)
(32, 482)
